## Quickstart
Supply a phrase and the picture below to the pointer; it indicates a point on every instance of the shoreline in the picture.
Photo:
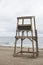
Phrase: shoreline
(17, 47)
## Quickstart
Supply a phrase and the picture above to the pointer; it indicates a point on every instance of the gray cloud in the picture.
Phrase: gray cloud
(10, 9)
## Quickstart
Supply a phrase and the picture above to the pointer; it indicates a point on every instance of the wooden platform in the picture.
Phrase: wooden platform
(23, 37)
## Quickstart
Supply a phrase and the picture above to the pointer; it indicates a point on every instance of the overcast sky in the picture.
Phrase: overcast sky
(10, 9)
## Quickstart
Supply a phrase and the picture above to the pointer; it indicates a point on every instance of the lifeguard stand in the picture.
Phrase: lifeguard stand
(28, 28)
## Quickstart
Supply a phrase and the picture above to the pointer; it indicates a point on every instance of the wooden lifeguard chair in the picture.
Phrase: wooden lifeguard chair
(26, 27)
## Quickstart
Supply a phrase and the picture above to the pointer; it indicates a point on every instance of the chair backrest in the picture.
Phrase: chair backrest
(25, 26)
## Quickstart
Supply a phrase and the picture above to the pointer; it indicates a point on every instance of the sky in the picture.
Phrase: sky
(11, 9)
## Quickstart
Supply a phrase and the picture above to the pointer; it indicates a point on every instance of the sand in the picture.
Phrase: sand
(6, 58)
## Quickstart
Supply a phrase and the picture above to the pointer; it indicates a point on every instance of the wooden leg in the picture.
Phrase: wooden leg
(32, 42)
(33, 47)
(36, 43)
(37, 48)
(21, 45)
(15, 47)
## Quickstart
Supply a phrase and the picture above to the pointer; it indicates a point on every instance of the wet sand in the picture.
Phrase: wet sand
(6, 58)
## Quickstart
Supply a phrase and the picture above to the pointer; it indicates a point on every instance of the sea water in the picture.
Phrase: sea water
(10, 41)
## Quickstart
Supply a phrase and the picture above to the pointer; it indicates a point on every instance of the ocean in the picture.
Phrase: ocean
(10, 41)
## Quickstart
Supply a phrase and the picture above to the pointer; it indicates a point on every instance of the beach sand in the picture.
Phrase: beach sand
(6, 58)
